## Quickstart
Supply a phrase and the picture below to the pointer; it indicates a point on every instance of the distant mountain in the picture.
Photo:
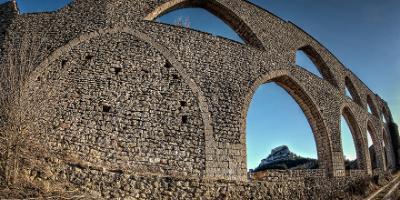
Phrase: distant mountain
(282, 158)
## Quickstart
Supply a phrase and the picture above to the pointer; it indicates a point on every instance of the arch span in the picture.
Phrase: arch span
(205, 113)
(357, 135)
(284, 79)
(371, 105)
(386, 114)
(216, 8)
(353, 91)
(321, 65)
(377, 146)
(388, 150)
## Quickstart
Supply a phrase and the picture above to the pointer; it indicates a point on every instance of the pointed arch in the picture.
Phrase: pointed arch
(388, 150)
(319, 63)
(386, 115)
(376, 147)
(385, 148)
(357, 135)
(216, 8)
(309, 108)
(353, 91)
(383, 118)
(210, 143)
(199, 19)
(371, 105)
(348, 146)
(265, 132)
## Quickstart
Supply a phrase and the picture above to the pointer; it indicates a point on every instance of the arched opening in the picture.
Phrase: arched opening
(217, 9)
(278, 133)
(349, 150)
(179, 78)
(347, 92)
(383, 118)
(304, 61)
(385, 115)
(308, 58)
(309, 109)
(373, 145)
(351, 91)
(385, 148)
(351, 141)
(371, 150)
(371, 107)
(200, 19)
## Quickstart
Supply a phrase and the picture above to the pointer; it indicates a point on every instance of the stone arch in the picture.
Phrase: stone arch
(284, 79)
(358, 138)
(216, 8)
(387, 149)
(319, 62)
(371, 105)
(204, 108)
(386, 114)
(377, 145)
(353, 91)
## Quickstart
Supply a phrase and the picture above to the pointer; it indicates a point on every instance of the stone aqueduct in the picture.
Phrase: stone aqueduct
(102, 90)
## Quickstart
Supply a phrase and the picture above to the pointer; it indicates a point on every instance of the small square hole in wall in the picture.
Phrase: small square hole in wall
(167, 65)
(183, 103)
(88, 57)
(63, 63)
(117, 70)
(185, 119)
(39, 78)
(175, 77)
(106, 108)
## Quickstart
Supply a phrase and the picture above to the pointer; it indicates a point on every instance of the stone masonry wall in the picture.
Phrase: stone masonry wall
(117, 105)
(8, 13)
(116, 102)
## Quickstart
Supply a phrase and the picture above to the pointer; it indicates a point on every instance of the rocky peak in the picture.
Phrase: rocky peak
(279, 154)
(282, 158)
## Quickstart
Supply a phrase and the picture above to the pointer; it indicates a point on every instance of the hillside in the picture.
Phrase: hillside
(282, 158)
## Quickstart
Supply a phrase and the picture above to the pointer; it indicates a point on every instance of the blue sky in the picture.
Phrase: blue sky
(363, 34)
(28, 6)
